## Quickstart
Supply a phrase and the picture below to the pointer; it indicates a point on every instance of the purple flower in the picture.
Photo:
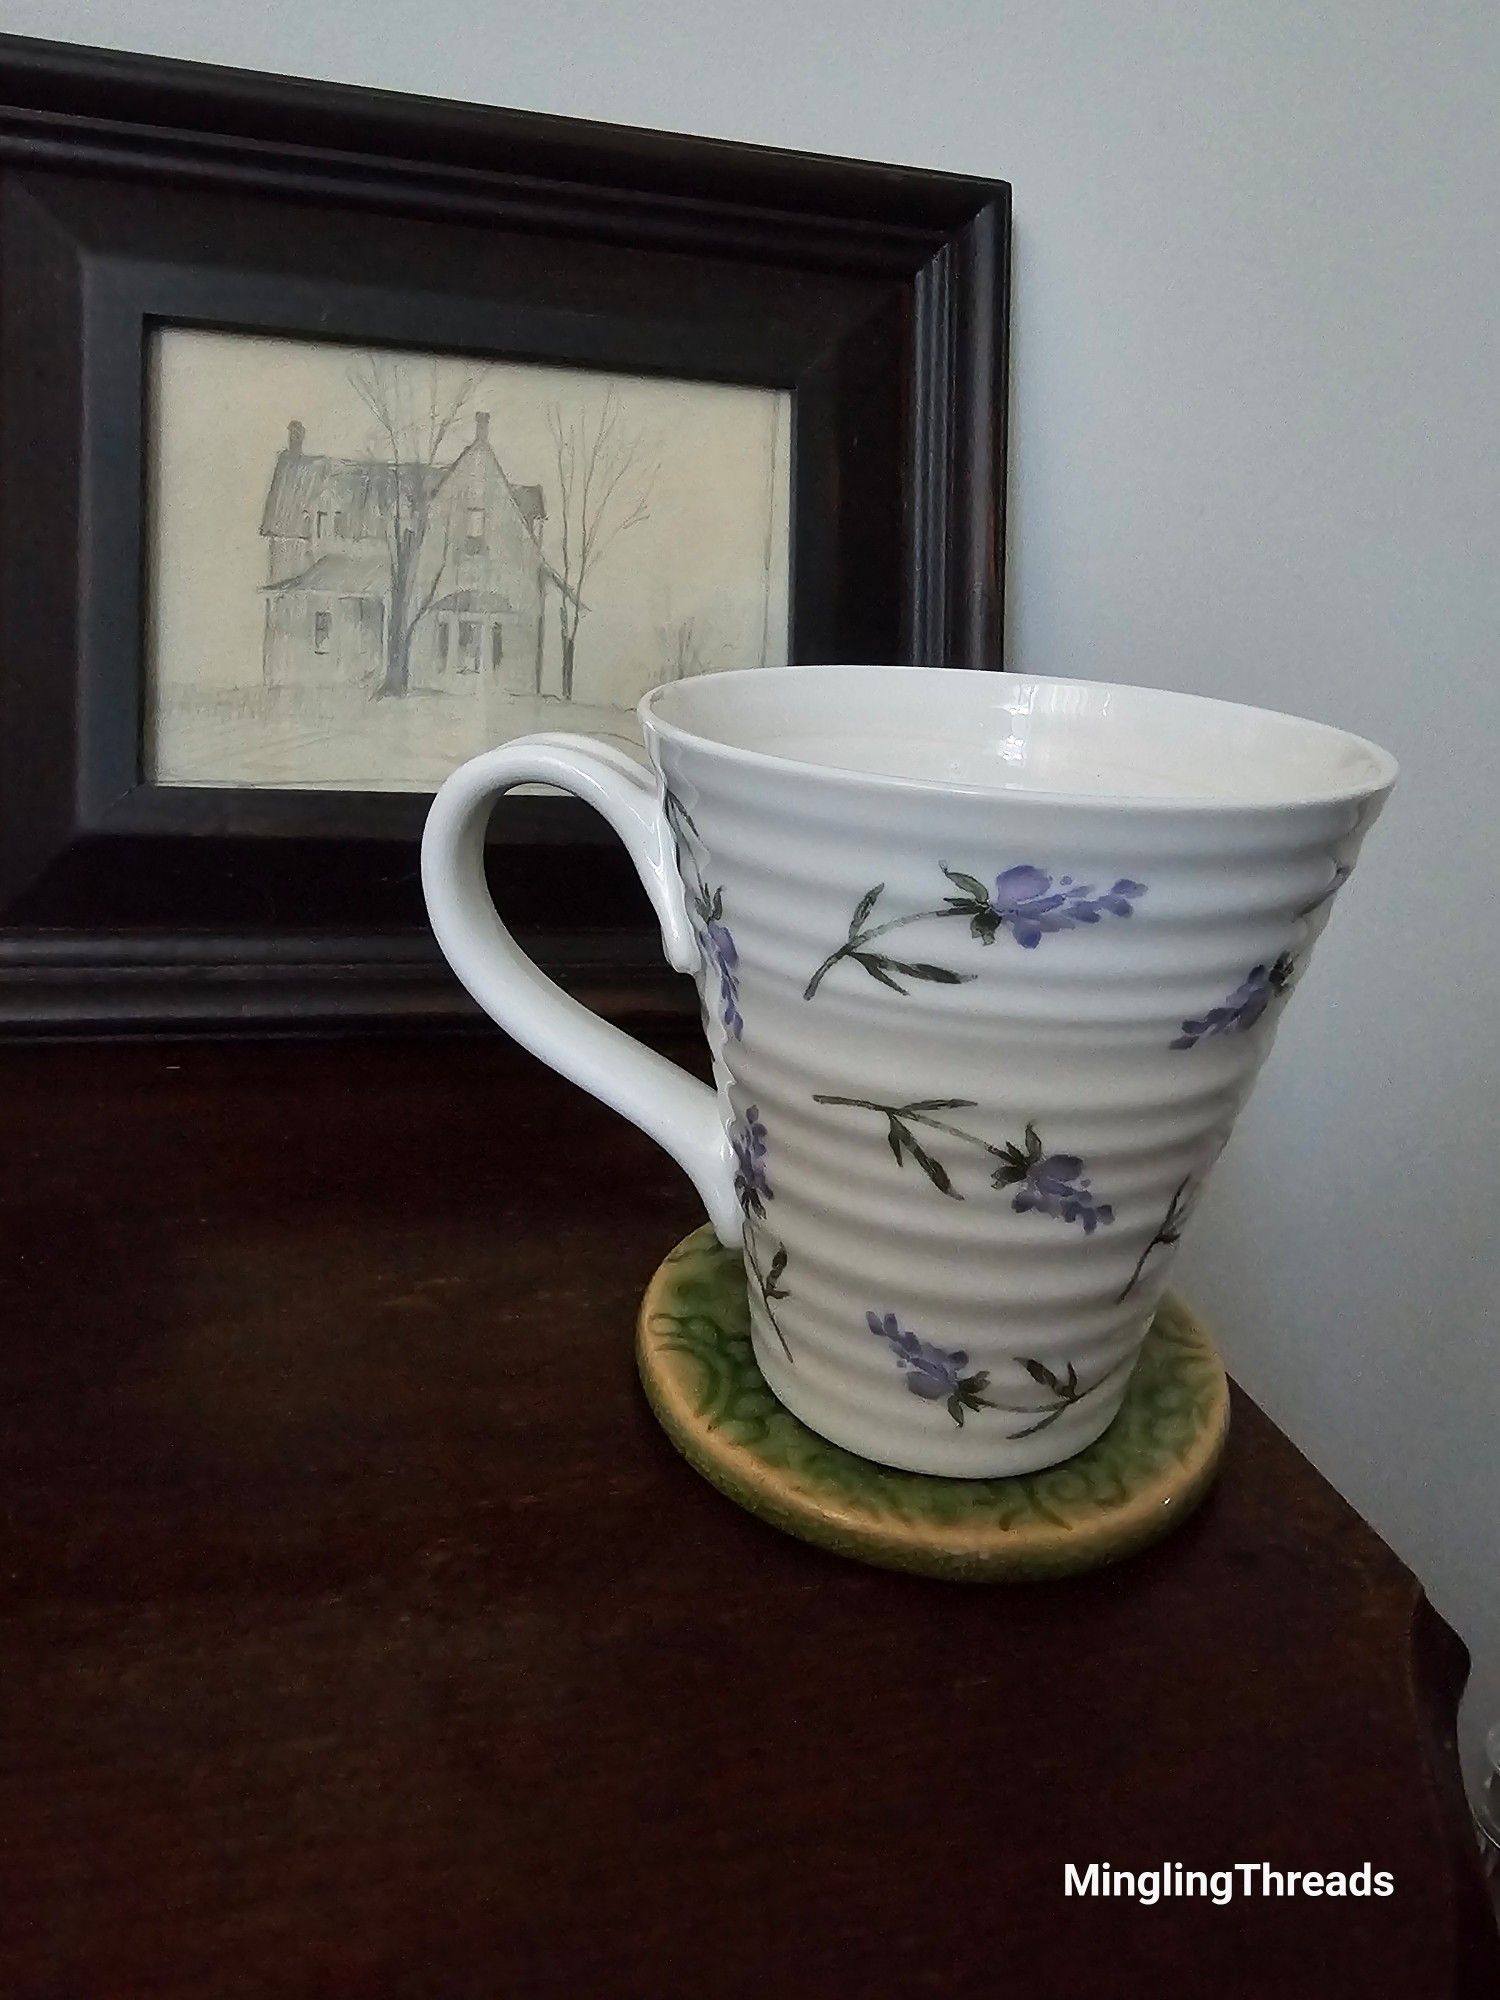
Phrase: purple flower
(930, 1371)
(1031, 903)
(1240, 1011)
(747, 1141)
(717, 944)
(1025, 899)
(721, 945)
(715, 940)
(1058, 1186)
(934, 1373)
(1050, 1184)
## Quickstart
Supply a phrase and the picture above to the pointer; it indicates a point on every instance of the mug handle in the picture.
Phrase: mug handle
(671, 1107)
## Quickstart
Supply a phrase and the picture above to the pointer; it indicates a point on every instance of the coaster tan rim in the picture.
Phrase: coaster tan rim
(1148, 1472)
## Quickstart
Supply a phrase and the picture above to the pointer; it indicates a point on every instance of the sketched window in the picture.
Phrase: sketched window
(322, 630)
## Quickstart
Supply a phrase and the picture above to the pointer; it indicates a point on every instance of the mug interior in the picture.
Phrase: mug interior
(1021, 733)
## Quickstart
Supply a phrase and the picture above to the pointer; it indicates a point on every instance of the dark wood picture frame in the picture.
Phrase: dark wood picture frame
(136, 193)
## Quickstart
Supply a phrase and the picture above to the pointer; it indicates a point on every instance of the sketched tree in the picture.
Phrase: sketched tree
(415, 405)
(689, 646)
(684, 650)
(605, 473)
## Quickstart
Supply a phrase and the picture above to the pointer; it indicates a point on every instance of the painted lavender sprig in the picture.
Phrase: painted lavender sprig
(1238, 1013)
(748, 1141)
(1240, 1010)
(1045, 1183)
(934, 1373)
(1050, 1184)
(706, 910)
(716, 941)
(1026, 900)
(938, 1374)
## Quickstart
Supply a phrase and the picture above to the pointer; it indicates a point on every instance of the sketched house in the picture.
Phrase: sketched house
(481, 573)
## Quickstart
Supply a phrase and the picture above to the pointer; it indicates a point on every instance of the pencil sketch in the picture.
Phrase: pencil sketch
(604, 484)
(439, 554)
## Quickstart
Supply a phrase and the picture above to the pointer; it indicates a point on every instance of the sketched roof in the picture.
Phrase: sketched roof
(364, 489)
(351, 576)
(490, 601)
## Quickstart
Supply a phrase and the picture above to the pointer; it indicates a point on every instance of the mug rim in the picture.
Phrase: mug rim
(1384, 774)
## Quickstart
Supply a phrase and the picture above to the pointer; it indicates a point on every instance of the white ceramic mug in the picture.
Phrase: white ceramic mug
(988, 965)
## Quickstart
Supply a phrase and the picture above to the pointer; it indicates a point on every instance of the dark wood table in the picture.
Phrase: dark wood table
(362, 1635)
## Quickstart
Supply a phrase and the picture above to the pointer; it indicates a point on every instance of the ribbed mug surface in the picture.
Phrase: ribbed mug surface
(987, 975)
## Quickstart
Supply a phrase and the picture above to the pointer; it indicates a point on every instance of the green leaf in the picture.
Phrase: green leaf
(939, 974)
(863, 908)
(935, 1171)
(969, 1388)
(1040, 1372)
(970, 884)
(675, 809)
(985, 927)
(1033, 1144)
(1072, 1388)
(717, 906)
(956, 1409)
(875, 966)
(778, 1265)
(896, 1135)
(940, 1104)
(1014, 1166)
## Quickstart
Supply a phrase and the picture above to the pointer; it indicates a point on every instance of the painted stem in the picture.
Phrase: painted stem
(1163, 1235)
(1050, 1416)
(854, 944)
(760, 1279)
(908, 1117)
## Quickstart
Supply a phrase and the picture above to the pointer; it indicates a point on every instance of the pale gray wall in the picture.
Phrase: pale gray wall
(1257, 427)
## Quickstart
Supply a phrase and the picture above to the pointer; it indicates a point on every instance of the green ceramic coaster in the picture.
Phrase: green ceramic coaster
(1148, 1471)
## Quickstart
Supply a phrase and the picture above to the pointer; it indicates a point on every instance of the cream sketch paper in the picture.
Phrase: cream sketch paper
(365, 565)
